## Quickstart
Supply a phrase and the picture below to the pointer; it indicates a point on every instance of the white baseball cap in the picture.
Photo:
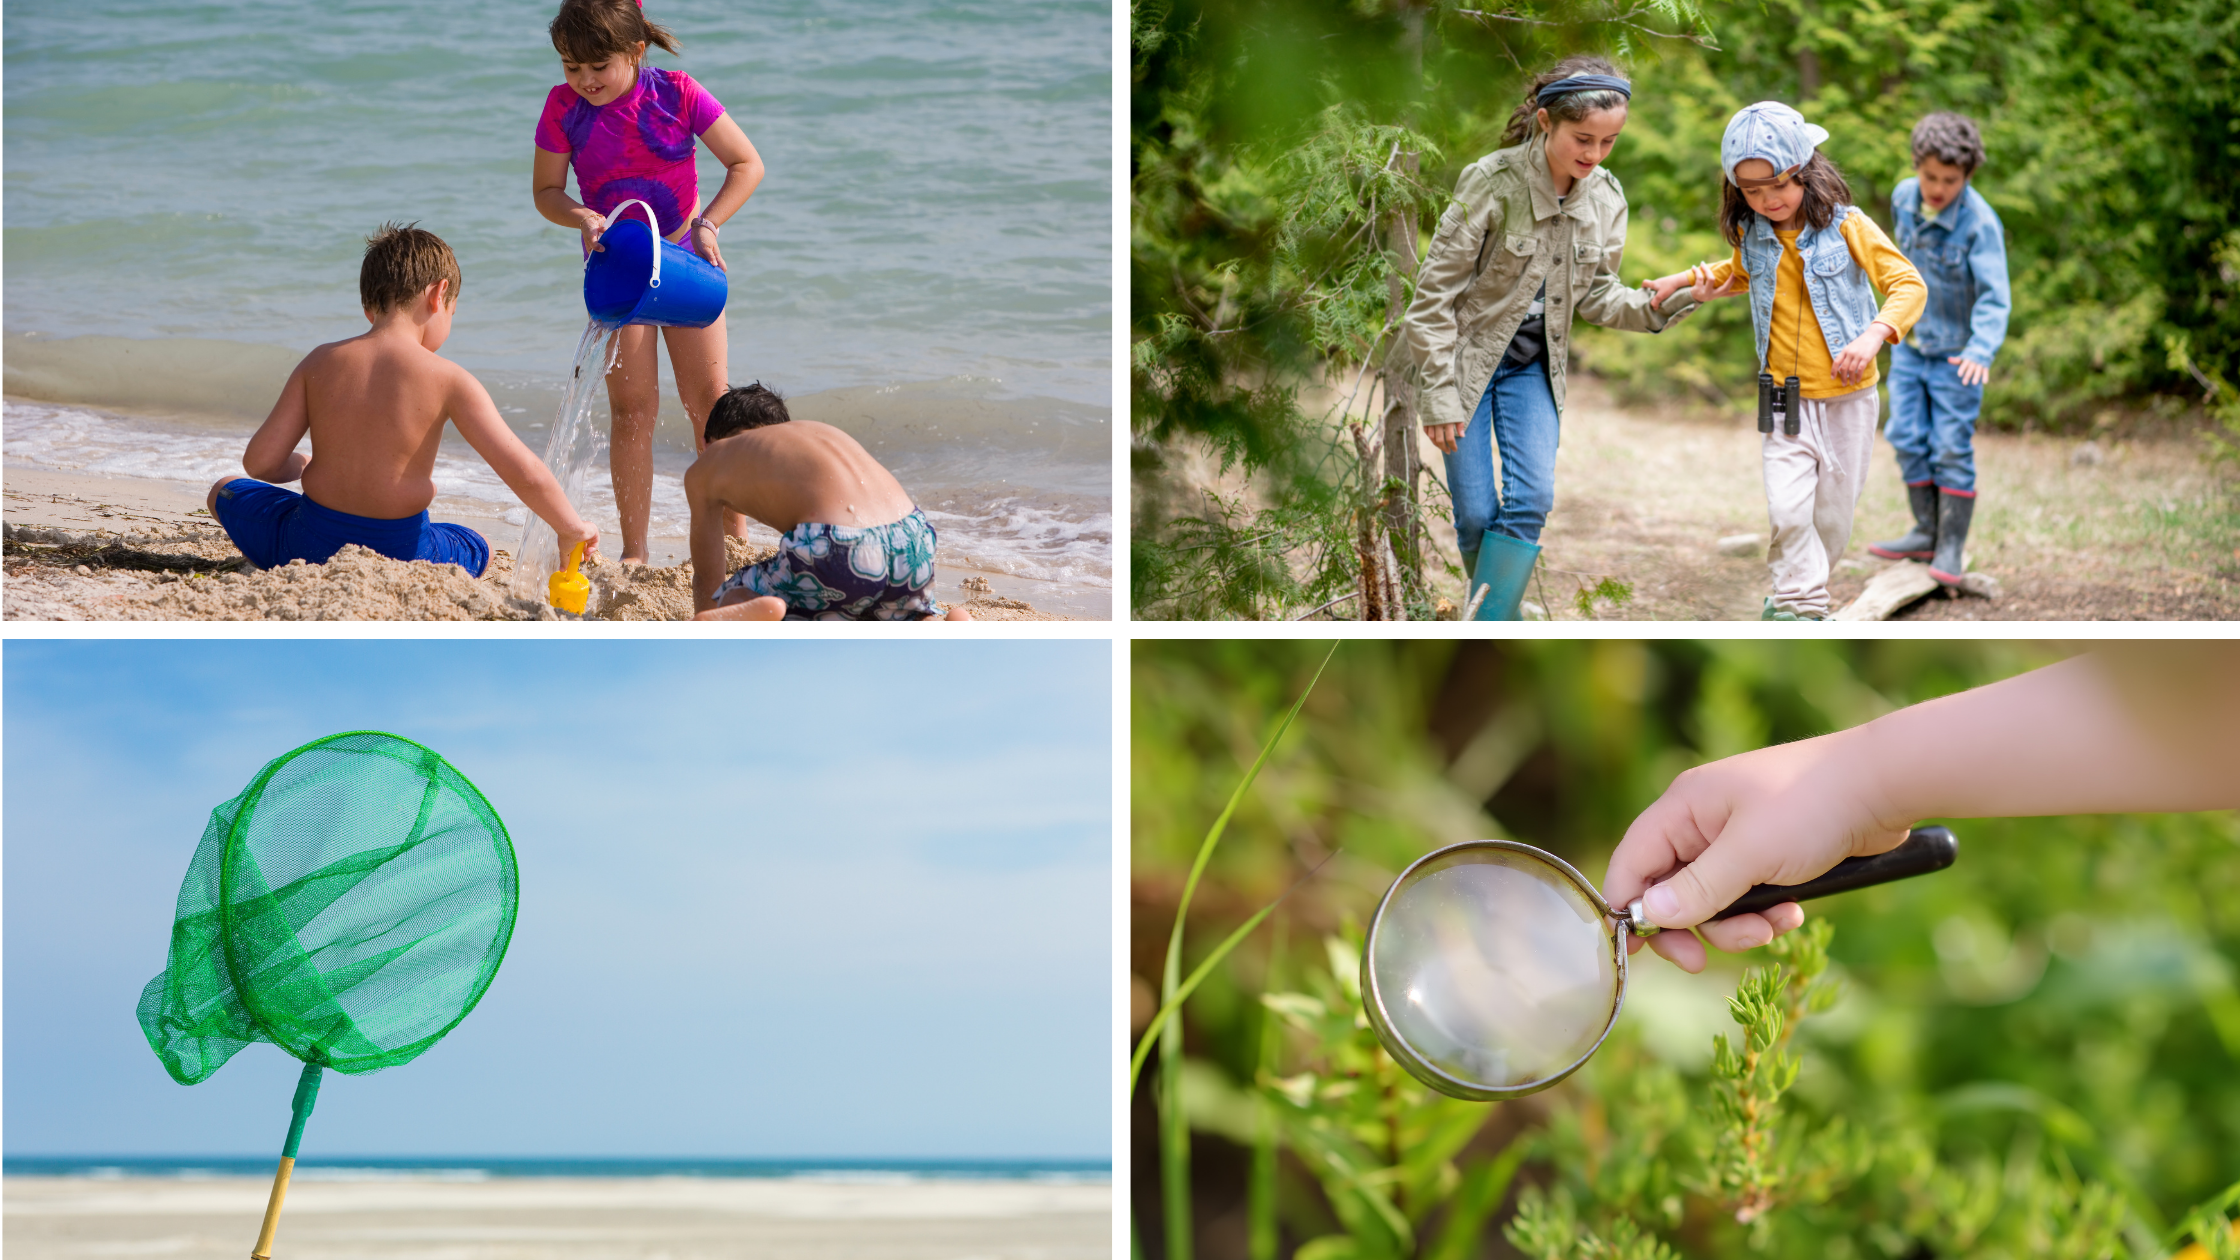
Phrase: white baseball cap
(1773, 132)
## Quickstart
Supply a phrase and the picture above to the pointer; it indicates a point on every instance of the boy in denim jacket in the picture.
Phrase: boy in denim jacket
(1954, 239)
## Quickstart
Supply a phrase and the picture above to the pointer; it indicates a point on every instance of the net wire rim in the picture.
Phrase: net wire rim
(253, 795)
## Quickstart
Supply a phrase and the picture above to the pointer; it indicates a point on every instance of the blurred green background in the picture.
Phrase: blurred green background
(2058, 1007)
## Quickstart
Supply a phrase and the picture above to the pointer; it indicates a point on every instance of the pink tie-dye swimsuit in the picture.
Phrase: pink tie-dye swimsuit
(637, 147)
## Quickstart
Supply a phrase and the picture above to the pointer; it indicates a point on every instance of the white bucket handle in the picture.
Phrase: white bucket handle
(653, 225)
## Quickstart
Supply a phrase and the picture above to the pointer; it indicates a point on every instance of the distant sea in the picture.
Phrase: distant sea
(928, 264)
(453, 1169)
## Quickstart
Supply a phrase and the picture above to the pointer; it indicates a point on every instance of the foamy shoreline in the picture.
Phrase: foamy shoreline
(628, 1218)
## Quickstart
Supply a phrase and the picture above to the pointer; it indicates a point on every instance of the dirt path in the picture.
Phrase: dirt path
(2144, 530)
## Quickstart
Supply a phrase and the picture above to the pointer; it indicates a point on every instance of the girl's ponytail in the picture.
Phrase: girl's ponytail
(594, 30)
(1570, 106)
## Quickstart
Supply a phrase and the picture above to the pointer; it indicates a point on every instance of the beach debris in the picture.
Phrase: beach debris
(975, 585)
(1742, 544)
(1888, 591)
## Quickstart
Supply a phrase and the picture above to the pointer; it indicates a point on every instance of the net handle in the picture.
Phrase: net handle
(307, 1096)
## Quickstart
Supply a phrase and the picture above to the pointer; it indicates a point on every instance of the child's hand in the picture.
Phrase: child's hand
(1665, 286)
(1780, 815)
(584, 532)
(703, 238)
(1444, 436)
(1735, 283)
(1857, 357)
(1971, 372)
(593, 224)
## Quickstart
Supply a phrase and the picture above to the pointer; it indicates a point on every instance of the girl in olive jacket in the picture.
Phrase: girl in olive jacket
(1532, 237)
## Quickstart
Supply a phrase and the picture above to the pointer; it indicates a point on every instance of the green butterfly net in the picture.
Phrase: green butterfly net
(350, 906)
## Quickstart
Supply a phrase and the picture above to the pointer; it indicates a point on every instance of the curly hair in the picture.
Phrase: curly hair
(1949, 138)
(1824, 191)
(1571, 106)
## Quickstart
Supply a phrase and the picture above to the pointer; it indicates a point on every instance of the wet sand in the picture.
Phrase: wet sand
(82, 547)
(56, 1218)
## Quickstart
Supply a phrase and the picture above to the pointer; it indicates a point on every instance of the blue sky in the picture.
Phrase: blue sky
(778, 899)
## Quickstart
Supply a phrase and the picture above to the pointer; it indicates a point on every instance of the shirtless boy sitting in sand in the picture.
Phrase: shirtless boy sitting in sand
(375, 406)
(854, 546)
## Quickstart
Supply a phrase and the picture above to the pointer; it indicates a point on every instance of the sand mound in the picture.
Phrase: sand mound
(193, 573)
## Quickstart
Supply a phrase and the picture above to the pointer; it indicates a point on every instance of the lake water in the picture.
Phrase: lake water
(927, 264)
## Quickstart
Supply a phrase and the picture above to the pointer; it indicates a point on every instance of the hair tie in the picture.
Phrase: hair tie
(1579, 83)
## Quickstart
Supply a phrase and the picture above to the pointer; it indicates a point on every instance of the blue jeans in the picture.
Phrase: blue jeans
(1520, 414)
(1932, 420)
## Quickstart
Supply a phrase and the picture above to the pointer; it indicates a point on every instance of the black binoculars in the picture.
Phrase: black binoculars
(1782, 402)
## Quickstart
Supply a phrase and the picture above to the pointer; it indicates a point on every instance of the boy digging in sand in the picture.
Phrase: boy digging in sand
(854, 546)
(375, 406)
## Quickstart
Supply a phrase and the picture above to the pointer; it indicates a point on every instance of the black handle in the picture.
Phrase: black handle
(1924, 849)
(1765, 402)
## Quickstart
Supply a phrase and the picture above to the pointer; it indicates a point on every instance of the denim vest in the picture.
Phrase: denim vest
(1842, 298)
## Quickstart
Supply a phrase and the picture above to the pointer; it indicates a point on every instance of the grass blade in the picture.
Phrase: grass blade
(1174, 1124)
(1164, 1019)
(1264, 1241)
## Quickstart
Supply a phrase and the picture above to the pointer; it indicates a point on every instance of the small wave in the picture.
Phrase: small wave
(316, 1173)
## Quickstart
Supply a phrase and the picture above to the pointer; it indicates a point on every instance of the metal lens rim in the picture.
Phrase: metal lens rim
(1372, 1001)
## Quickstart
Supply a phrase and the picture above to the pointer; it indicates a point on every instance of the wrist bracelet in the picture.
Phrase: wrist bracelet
(710, 224)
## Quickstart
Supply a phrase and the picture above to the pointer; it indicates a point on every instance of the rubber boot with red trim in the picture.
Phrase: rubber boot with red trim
(1954, 510)
(1922, 542)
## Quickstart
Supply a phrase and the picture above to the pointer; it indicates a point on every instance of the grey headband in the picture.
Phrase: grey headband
(1585, 83)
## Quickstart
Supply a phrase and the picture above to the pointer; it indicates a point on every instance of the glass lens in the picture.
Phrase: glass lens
(1495, 968)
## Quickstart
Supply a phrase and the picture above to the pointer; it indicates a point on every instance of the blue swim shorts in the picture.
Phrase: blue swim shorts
(840, 573)
(273, 526)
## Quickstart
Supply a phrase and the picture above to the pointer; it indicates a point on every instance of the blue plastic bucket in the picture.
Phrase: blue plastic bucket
(646, 280)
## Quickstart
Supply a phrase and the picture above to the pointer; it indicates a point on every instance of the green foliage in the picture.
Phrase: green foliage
(1262, 133)
(1609, 590)
(1382, 1147)
(2036, 1052)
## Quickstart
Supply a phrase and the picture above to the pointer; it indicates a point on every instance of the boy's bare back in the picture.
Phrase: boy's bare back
(376, 407)
(799, 471)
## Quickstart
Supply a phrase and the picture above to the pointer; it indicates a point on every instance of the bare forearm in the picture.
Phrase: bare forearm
(708, 555)
(279, 472)
(539, 491)
(739, 182)
(2086, 736)
(557, 206)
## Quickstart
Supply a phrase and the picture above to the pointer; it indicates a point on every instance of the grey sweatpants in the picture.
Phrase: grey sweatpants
(1813, 483)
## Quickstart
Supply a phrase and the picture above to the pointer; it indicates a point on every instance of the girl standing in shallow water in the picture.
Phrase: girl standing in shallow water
(627, 129)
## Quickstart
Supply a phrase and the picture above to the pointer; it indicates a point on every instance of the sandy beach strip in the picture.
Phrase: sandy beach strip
(682, 1218)
(84, 547)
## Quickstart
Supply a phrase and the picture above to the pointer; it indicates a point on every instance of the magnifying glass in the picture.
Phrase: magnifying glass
(1493, 969)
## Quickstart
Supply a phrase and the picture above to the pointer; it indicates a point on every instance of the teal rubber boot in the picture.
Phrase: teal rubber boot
(1504, 566)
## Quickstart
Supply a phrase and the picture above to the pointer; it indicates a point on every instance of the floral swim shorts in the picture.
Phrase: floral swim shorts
(840, 573)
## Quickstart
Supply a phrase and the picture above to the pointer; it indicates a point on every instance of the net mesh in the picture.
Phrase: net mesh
(350, 906)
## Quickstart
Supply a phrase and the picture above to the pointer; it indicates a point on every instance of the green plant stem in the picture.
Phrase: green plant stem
(1174, 1120)
(1174, 1144)
(1264, 1240)
(1182, 992)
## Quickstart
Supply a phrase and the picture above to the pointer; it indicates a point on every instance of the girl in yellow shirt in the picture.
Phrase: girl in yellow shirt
(1810, 261)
